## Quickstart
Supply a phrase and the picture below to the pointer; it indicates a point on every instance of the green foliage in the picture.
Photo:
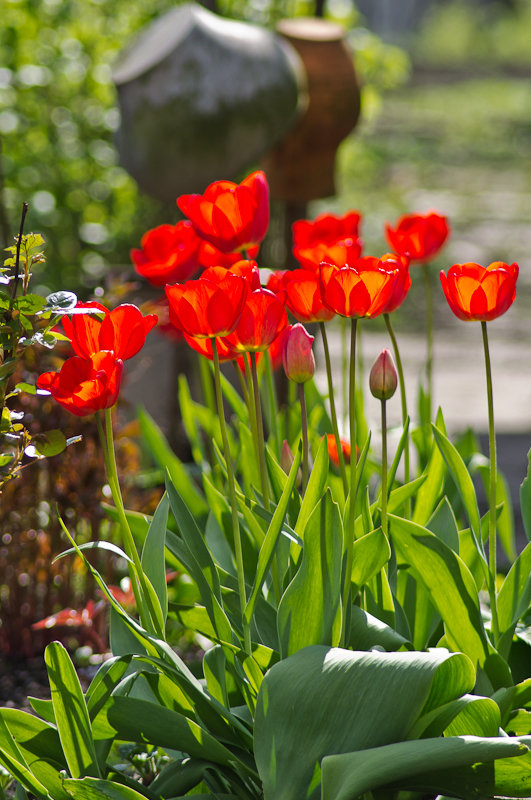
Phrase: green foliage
(57, 119)
(459, 33)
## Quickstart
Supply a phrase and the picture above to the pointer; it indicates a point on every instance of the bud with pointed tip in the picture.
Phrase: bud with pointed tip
(297, 355)
(383, 378)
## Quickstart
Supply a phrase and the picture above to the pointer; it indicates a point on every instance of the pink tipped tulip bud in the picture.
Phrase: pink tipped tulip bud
(383, 378)
(297, 355)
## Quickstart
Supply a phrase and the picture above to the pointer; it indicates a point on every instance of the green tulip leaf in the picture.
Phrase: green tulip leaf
(341, 701)
(308, 610)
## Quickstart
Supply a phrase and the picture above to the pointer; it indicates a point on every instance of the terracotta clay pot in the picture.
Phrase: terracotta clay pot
(301, 167)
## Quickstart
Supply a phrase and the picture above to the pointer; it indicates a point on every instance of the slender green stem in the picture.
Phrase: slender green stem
(273, 404)
(350, 527)
(384, 466)
(429, 336)
(232, 497)
(138, 581)
(304, 427)
(206, 383)
(344, 367)
(403, 401)
(260, 433)
(492, 487)
(249, 399)
(333, 415)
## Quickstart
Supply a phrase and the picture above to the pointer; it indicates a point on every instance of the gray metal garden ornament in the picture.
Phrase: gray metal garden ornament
(202, 97)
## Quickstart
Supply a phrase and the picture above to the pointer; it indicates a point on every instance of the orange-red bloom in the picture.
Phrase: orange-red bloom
(399, 266)
(122, 330)
(303, 296)
(418, 236)
(168, 253)
(356, 291)
(209, 306)
(263, 319)
(332, 449)
(480, 293)
(230, 216)
(327, 238)
(85, 385)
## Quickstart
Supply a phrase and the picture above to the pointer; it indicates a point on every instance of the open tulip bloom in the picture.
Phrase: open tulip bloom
(122, 330)
(85, 385)
(418, 236)
(228, 215)
(210, 306)
(480, 293)
(327, 238)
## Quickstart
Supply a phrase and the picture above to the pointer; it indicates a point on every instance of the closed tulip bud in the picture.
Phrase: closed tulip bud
(297, 355)
(383, 378)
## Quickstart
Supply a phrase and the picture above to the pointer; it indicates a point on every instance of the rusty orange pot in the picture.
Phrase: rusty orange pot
(301, 167)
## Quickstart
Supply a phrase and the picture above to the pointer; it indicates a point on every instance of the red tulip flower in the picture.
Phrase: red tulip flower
(356, 291)
(263, 319)
(246, 268)
(332, 449)
(122, 330)
(399, 266)
(85, 385)
(327, 238)
(230, 216)
(303, 296)
(418, 236)
(480, 293)
(210, 306)
(168, 253)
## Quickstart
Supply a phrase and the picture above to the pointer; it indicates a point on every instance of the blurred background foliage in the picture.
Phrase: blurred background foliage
(58, 110)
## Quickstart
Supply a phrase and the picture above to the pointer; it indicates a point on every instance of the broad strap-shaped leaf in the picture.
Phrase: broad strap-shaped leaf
(99, 789)
(104, 682)
(443, 524)
(345, 777)
(316, 487)
(14, 762)
(451, 587)
(192, 551)
(38, 743)
(462, 479)
(153, 554)
(141, 721)
(308, 610)
(267, 550)
(367, 631)
(515, 594)
(321, 701)
(71, 714)
(430, 492)
(369, 554)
